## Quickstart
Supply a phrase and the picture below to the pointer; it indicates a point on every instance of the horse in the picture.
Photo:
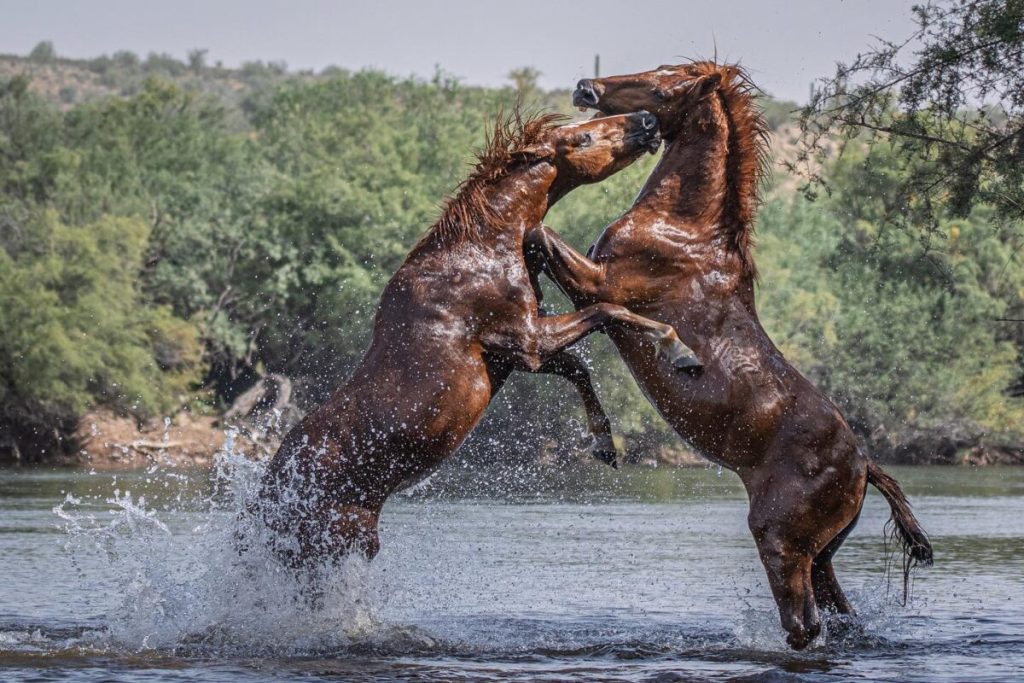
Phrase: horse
(459, 315)
(682, 255)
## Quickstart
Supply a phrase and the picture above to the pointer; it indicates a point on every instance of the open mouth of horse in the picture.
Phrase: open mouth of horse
(585, 98)
(584, 95)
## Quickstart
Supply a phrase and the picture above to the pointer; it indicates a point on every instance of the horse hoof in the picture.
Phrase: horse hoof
(800, 637)
(604, 450)
(688, 364)
(679, 355)
(608, 457)
(798, 641)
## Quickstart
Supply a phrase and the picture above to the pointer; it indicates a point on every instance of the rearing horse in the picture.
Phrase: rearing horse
(456, 319)
(682, 255)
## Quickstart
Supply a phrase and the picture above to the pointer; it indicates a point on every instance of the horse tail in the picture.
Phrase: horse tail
(917, 549)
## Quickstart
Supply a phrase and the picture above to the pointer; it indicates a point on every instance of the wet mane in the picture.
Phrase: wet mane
(747, 161)
(468, 209)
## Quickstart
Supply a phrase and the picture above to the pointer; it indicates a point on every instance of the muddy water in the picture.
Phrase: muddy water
(585, 574)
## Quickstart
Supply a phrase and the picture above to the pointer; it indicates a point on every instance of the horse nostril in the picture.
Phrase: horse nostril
(647, 120)
(585, 93)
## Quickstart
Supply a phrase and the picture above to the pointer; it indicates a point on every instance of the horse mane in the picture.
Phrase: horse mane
(747, 162)
(468, 209)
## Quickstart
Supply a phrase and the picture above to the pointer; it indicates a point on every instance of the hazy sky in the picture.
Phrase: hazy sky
(785, 43)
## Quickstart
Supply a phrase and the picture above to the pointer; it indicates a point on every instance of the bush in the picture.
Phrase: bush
(75, 334)
(43, 53)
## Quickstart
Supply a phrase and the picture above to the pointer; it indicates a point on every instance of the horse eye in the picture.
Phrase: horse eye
(660, 95)
(586, 139)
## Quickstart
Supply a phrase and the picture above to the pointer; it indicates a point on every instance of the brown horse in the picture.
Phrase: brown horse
(456, 319)
(682, 255)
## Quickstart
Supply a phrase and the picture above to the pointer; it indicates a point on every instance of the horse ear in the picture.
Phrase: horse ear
(538, 150)
(698, 88)
(705, 85)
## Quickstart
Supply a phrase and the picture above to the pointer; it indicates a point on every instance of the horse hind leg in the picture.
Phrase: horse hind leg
(827, 591)
(354, 528)
(789, 575)
(342, 531)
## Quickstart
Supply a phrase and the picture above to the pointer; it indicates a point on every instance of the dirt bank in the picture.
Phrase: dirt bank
(108, 441)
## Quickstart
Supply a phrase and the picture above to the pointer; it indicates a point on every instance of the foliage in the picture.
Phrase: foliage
(75, 333)
(186, 238)
(901, 340)
(954, 110)
(43, 53)
(952, 119)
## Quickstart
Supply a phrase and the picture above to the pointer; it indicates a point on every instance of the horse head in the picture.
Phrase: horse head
(591, 151)
(670, 93)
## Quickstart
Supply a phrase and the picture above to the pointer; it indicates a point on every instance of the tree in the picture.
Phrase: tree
(949, 98)
(949, 102)
(74, 333)
(197, 60)
(524, 79)
(903, 343)
(43, 53)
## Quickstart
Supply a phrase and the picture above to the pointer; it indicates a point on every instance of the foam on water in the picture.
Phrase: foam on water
(200, 588)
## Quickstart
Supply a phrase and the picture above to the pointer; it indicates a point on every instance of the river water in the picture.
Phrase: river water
(518, 574)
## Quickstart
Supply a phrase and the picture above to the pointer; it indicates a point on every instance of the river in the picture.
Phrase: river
(516, 574)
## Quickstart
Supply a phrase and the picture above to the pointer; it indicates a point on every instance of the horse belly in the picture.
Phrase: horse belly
(722, 412)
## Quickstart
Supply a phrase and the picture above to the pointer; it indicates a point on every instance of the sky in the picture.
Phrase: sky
(785, 44)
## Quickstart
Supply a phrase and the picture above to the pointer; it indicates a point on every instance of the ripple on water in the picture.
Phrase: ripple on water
(562, 591)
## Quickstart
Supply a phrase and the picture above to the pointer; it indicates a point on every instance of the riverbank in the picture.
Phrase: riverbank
(105, 441)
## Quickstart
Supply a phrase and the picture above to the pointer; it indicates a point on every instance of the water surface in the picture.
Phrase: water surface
(585, 574)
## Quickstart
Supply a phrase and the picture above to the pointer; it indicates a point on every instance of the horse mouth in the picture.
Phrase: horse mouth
(645, 141)
(584, 98)
(653, 145)
(598, 114)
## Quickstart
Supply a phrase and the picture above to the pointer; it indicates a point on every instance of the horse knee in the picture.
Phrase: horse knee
(340, 531)
(608, 310)
(354, 529)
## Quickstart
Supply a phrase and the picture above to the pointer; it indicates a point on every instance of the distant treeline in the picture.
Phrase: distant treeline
(165, 243)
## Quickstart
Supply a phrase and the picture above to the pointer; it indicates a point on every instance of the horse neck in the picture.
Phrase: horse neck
(688, 186)
(691, 189)
(520, 199)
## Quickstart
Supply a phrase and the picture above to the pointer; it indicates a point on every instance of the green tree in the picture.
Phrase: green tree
(901, 339)
(74, 333)
(950, 97)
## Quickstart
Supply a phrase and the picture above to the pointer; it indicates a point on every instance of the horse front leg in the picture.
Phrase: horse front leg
(579, 278)
(553, 334)
(571, 367)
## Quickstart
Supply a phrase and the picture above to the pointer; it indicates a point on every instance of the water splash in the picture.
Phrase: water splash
(196, 587)
(881, 622)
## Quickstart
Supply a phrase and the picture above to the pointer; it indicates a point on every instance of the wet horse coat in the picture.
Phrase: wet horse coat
(458, 316)
(682, 255)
